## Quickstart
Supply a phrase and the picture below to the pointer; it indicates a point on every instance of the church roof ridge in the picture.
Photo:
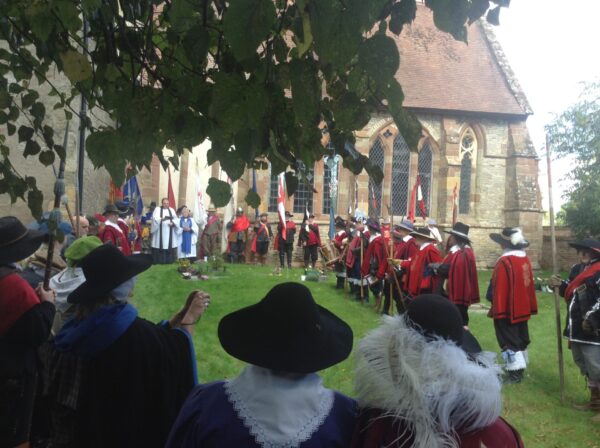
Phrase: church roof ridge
(505, 68)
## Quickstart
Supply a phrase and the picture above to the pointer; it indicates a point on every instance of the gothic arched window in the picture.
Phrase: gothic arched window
(375, 191)
(468, 148)
(425, 171)
(273, 192)
(303, 197)
(326, 189)
(400, 175)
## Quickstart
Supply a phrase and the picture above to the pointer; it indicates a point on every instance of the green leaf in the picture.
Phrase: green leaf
(350, 113)
(29, 98)
(306, 93)
(451, 16)
(31, 148)
(336, 32)
(40, 19)
(196, 43)
(246, 24)
(76, 66)
(11, 128)
(219, 192)
(232, 164)
(291, 183)
(25, 133)
(402, 14)
(35, 199)
(5, 99)
(252, 199)
(47, 158)
(379, 58)
(104, 149)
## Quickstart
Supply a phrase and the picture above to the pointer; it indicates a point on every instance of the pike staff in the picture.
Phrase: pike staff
(55, 216)
(561, 363)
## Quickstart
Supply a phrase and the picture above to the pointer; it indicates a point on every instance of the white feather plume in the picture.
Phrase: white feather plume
(517, 238)
(433, 386)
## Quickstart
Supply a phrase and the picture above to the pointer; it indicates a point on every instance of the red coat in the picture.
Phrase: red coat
(405, 250)
(377, 255)
(418, 278)
(375, 429)
(337, 240)
(310, 238)
(462, 286)
(114, 236)
(513, 289)
(16, 298)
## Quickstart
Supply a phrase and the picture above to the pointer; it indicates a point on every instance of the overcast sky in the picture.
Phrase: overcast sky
(552, 46)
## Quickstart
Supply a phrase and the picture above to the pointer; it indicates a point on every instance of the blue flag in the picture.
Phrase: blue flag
(132, 193)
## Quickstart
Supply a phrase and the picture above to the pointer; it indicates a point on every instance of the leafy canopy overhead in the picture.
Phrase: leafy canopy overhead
(256, 77)
(575, 135)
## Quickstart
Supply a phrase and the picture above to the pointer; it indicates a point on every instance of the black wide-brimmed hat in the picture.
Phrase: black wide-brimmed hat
(511, 237)
(435, 316)
(423, 232)
(286, 331)
(460, 230)
(17, 242)
(110, 208)
(373, 224)
(104, 269)
(586, 244)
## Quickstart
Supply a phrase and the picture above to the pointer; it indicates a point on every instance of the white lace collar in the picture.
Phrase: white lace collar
(372, 237)
(407, 238)
(428, 243)
(514, 253)
(281, 411)
(113, 225)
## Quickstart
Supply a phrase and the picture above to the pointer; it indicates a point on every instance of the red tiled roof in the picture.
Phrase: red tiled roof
(441, 73)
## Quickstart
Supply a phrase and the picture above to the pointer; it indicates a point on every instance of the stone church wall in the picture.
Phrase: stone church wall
(96, 181)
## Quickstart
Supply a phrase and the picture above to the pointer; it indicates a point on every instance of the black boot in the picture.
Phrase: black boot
(340, 283)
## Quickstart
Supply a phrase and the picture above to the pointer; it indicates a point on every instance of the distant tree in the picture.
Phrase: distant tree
(575, 134)
(256, 77)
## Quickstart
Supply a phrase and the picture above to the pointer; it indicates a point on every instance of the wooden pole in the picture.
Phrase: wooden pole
(561, 365)
(59, 191)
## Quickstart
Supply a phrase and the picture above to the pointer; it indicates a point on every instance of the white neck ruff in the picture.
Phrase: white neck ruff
(514, 253)
(281, 411)
(433, 386)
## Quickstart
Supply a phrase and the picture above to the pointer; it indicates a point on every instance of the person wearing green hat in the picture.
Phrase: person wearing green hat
(67, 280)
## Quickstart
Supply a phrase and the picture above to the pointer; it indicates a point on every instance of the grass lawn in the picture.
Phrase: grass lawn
(533, 406)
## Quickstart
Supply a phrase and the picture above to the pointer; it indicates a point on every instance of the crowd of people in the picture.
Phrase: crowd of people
(81, 368)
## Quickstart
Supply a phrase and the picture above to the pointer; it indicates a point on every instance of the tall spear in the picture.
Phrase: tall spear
(561, 364)
(55, 216)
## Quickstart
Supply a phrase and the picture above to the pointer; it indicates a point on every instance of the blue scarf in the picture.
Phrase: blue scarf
(186, 243)
(96, 332)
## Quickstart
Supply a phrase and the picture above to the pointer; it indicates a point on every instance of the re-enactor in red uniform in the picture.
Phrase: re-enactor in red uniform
(419, 277)
(375, 265)
(512, 292)
(112, 232)
(340, 242)
(460, 271)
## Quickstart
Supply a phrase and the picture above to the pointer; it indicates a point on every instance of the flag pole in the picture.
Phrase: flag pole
(561, 365)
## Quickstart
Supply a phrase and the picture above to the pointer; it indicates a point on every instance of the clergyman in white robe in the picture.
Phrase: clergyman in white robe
(164, 230)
